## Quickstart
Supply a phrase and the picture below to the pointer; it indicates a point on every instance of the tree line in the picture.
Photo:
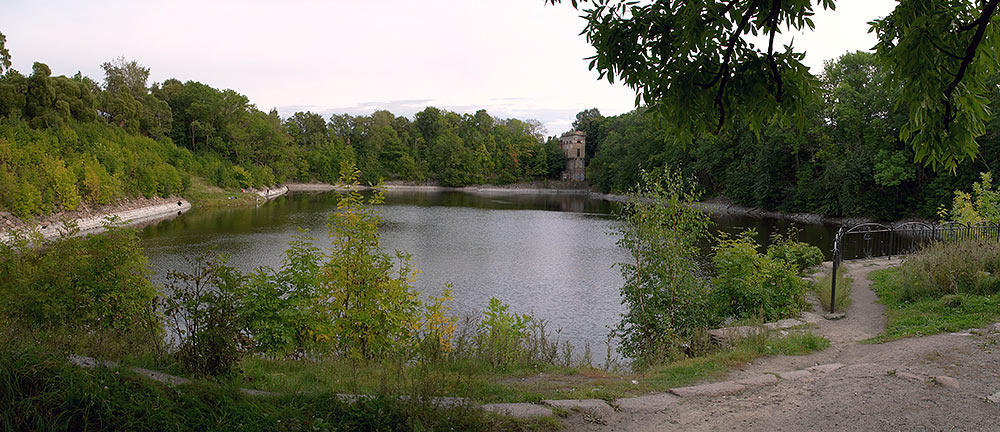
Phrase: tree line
(845, 160)
(67, 141)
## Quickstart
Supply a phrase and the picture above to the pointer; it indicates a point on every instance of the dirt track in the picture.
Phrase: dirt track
(888, 386)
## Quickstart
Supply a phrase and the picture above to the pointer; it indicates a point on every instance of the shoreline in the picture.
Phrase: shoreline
(139, 212)
(719, 206)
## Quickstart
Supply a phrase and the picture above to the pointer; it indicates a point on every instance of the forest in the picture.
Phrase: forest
(844, 160)
(67, 141)
(71, 141)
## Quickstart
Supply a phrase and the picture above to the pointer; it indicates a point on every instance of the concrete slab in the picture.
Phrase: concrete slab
(759, 380)
(519, 410)
(946, 382)
(794, 375)
(595, 407)
(810, 317)
(647, 404)
(825, 368)
(714, 389)
(911, 377)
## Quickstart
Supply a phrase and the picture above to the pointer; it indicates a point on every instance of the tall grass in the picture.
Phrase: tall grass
(945, 287)
(823, 285)
(966, 267)
(40, 391)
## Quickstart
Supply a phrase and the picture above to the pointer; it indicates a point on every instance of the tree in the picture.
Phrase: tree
(4, 54)
(121, 75)
(691, 62)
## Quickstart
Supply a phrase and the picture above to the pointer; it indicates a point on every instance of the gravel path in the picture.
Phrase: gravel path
(941, 382)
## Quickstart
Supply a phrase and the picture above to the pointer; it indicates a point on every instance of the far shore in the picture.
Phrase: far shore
(719, 206)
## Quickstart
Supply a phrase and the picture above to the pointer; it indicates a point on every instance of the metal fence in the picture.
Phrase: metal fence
(870, 240)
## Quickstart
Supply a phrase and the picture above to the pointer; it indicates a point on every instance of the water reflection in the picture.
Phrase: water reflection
(549, 254)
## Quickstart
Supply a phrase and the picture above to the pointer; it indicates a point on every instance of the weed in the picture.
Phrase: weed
(821, 289)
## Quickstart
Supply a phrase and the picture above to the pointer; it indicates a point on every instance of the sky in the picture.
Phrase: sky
(514, 58)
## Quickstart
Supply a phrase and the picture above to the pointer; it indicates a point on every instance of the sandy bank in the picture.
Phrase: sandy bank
(136, 212)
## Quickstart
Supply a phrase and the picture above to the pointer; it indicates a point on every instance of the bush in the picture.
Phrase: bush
(204, 313)
(796, 254)
(666, 300)
(97, 281)
(500, 334)
(748, 284)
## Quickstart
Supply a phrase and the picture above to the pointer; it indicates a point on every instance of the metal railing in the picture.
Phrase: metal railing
(871, 240)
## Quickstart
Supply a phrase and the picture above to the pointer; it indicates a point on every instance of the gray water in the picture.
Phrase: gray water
(549, 255)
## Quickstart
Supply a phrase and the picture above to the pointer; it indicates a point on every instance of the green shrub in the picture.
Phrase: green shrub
(666, 299)
(798, 255)
(204, 314)
(500, 334)
(749, 284)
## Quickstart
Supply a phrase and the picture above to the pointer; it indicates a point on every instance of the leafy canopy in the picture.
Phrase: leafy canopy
(695, 63)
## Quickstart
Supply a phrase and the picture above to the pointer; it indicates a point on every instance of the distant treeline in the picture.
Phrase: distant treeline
(846, 160)
(71, 140)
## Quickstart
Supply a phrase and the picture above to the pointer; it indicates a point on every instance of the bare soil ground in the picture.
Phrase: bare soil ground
(883, 387)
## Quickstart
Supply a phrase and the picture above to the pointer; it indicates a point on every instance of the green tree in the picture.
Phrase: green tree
(691, 63)
(4, 54)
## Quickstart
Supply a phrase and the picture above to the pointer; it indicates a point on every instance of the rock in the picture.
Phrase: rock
(946, 382)
(714, 389)
(161, 377)
(834, 316)
(594, 407)
(810, 317)
(647, 404)
(825, 367)
(728, 334)
(519, 410)
(794, 375)
(758, 380)
(784, 324)
(995, 397)
(994, 328)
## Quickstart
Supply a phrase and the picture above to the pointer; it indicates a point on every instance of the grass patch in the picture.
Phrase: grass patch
(923, 316)
(822, 286)
(203, 194)
(467, 378)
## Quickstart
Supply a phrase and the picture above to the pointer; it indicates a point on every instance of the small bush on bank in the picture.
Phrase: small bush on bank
(749, 284)
(796, 254)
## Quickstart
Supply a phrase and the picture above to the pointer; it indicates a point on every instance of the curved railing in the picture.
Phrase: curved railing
(871, 240)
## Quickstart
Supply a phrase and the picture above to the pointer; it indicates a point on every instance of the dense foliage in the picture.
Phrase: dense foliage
(847, 160)
(96, 283)
(67, 141)
(697, 65)
(671, 298)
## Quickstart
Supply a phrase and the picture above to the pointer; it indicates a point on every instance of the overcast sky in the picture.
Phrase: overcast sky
(515, 58)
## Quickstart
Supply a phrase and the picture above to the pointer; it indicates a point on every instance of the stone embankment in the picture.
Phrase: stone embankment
(272, 193)
(137, 213)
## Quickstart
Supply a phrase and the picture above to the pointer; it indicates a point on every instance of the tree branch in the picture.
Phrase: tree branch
(970, 54)
(723, 74)
(773, 19)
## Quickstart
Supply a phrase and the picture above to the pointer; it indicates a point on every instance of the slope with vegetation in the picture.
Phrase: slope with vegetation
(71, 141)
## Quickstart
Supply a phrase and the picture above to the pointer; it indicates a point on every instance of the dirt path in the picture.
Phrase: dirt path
(890, 386)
